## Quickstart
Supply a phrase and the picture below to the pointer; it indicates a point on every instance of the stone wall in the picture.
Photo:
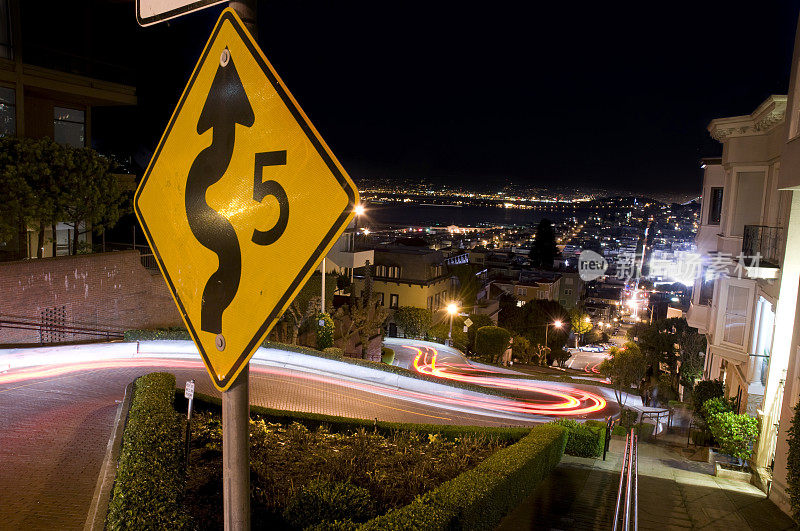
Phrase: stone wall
(103, 290)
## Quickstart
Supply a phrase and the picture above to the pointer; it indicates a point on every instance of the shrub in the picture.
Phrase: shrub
(642, 430)
(387, 355)
(583, 440)
(327, 501)
(324, 332)
(174, 333)
(483, 495)
(150, 479)
(415, 322)
(334, 351)
(715, 406)
(793, 464)
(706, 390)
(734, 433)
(558, 356)
(628, 417)
(492, 341)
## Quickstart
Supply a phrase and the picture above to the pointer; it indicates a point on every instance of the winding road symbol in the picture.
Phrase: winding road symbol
(236, 158)
(226, 106)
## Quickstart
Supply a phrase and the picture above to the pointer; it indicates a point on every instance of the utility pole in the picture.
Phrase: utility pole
(236, 400)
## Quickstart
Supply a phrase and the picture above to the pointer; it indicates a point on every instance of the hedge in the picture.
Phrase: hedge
(584, 439)
(643, 430)
(337, 424)
(482, 496)
(150, 480)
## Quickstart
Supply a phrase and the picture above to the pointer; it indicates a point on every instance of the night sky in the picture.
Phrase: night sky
(603, 94)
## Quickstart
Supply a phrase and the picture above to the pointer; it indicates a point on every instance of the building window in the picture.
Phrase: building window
(8, 111)
(715, 206)
(69, 126)
(437, 301)
(5, 31)
(568, 281)
(430, 302)
(394, 302)
(735, 315)
(568, 291)
(380, 298)
(523, 292)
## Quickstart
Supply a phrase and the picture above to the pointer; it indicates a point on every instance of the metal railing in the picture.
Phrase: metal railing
(626, 512)
(53, 332)
(762, 245)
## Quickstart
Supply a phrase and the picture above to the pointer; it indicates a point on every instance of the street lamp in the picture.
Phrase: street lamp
(452, 309)
(556, 324)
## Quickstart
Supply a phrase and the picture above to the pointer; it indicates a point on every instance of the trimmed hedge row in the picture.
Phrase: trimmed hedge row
(150, 481)
(337, 424)
(481, 497)
(584, 439)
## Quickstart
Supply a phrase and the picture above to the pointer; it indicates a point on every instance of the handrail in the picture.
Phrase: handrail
(627, 507)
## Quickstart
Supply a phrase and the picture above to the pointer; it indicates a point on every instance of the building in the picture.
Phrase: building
(740, 284)
(783, 380)
(51, 93)
(345, 256)
(408, 276)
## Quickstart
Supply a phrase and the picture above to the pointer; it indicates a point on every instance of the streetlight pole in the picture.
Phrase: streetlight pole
(452, 309)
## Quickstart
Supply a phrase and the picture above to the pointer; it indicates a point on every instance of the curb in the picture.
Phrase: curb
(96, 519)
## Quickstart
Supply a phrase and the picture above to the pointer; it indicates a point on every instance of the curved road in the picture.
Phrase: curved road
(56, 417)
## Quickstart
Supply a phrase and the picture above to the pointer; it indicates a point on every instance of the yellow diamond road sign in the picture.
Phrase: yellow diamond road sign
(241, 200)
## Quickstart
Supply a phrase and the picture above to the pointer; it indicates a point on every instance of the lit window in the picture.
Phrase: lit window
(394, 302)
(69, 126)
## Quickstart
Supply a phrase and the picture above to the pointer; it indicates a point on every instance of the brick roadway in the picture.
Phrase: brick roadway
(54, 431)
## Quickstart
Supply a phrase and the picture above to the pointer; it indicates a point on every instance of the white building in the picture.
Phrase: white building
(741, 242)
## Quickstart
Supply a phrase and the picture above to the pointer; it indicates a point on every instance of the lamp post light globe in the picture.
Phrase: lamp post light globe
(452, 309)
(359, 209)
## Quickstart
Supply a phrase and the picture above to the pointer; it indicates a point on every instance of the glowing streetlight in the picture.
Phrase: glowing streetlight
(359, 209)
(556, 324)
(452, 309)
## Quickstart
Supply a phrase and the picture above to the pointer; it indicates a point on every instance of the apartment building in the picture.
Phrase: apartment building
(46, 92)
(408, 276)
(345, 256)
(739, 279)
(783, 386)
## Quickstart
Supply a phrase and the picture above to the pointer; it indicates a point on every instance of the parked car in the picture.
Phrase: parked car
(591, 348)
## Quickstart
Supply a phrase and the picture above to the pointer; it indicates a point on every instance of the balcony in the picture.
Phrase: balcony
(697, 317)
(762, 250)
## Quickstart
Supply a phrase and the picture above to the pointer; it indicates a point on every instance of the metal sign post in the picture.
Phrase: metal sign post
(188, 393)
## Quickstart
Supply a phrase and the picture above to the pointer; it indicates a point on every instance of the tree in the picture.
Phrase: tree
(363, 314)
(626, 367)
(31, 173)
(305, 308)
(544, 246)
(90, 193)
(479, 320)
(468, 284)
(580, 322)
(492, 341)
(522, 349)
(415, 322)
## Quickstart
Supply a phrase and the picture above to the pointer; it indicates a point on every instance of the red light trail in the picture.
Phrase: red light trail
(549, 400)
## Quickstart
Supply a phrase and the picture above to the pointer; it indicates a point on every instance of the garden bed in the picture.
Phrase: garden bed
(383, 471)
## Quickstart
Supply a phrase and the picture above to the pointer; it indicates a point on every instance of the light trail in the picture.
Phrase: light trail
(547, 399)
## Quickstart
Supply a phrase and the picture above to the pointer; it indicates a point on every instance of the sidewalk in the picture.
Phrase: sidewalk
(674, 493)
